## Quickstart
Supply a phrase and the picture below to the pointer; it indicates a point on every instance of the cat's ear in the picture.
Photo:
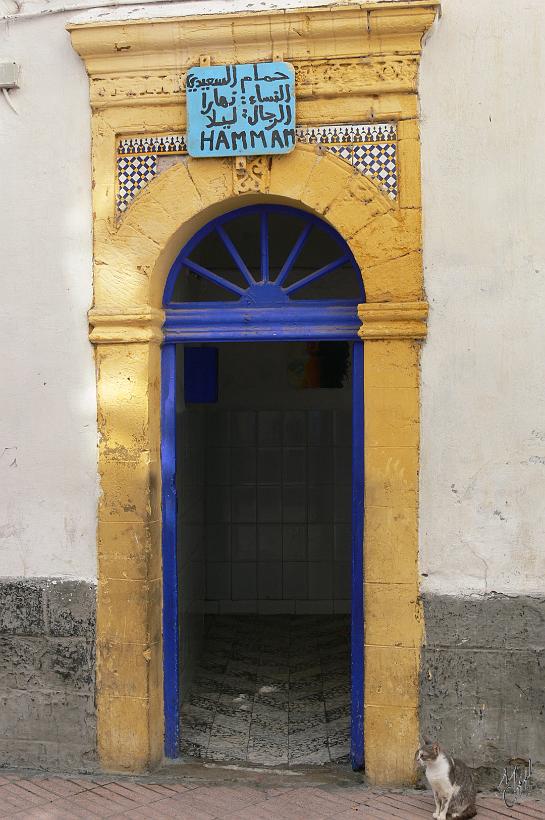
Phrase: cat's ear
(427, 741)
(435, 748)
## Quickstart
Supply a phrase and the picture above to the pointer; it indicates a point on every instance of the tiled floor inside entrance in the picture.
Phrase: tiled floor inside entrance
(271, 690)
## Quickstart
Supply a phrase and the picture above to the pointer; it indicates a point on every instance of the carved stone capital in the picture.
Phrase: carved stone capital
(136, 88)
(313, 78)
(126, 325)
(393, 320)
(355, 49)
(251, 174)
(368, 75)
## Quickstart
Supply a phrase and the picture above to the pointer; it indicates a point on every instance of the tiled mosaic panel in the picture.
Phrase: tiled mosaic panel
(271, 691)
(133, 174)
(370, 148)
(377, 161)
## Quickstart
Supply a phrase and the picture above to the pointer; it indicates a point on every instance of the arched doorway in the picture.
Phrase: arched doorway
(277, 276)
(132, 262)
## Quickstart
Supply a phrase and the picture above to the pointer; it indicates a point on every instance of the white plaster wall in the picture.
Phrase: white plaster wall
(483, 400)
(102, 10)
(482, 519)
(48, 436)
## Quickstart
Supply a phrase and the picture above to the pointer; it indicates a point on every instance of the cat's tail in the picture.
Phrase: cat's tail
(471, 811)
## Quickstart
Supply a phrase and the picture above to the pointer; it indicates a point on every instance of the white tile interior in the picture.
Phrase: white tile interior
(264, 493)
(277, 513)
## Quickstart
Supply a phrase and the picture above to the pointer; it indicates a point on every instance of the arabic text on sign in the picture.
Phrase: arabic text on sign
(235, 110)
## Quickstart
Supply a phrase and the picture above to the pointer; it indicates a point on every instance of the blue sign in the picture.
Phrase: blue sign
(240, 110)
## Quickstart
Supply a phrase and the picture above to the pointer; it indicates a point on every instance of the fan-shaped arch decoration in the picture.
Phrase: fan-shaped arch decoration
(274, 272)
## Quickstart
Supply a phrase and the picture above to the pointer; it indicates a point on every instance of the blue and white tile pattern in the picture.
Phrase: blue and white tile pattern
(371, 148)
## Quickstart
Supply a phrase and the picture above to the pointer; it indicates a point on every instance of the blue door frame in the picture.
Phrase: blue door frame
(264, 312)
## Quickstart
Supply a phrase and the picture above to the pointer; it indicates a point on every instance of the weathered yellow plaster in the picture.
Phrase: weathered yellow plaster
(354, 63)
(392, 533)
(390, 732)
(393, 676)
(125, 550)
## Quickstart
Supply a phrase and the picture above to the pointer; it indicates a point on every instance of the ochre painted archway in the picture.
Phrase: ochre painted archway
(131, 268)
(378, 50)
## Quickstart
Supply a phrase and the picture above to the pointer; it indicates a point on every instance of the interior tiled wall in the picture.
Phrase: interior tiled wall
(277, 510)
(190, 480)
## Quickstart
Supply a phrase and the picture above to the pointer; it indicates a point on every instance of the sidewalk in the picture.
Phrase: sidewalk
(223, 794)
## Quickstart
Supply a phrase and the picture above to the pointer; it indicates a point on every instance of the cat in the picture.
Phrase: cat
(451, 781)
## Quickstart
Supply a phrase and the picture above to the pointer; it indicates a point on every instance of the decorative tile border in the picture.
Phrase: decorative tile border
(361, 133)
(164, 144)
(371, 148)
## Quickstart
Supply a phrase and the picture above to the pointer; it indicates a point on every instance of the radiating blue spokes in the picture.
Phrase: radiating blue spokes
(294, 253)
(257, 287)
(312, 277)
(213, 277)
(235, 256)
(264, 236)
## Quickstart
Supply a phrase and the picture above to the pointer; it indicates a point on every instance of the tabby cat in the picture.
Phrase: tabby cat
(451, 782)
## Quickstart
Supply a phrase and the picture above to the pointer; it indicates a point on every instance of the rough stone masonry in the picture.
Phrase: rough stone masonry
(47, 673)
(482, 679)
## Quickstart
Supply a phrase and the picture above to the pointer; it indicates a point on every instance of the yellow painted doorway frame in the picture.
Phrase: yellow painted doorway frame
(354, 63)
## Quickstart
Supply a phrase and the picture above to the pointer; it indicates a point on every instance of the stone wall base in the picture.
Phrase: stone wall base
(482, 692)
(47, 674)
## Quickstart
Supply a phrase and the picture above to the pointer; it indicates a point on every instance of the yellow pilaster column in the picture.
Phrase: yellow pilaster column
(129, 654)
(393, 619)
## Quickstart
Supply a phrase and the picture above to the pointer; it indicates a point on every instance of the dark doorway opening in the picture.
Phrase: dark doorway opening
(264, 552)
(262, 476)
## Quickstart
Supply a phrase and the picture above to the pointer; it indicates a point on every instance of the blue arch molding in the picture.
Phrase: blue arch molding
(255, 314)
(264, 311)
